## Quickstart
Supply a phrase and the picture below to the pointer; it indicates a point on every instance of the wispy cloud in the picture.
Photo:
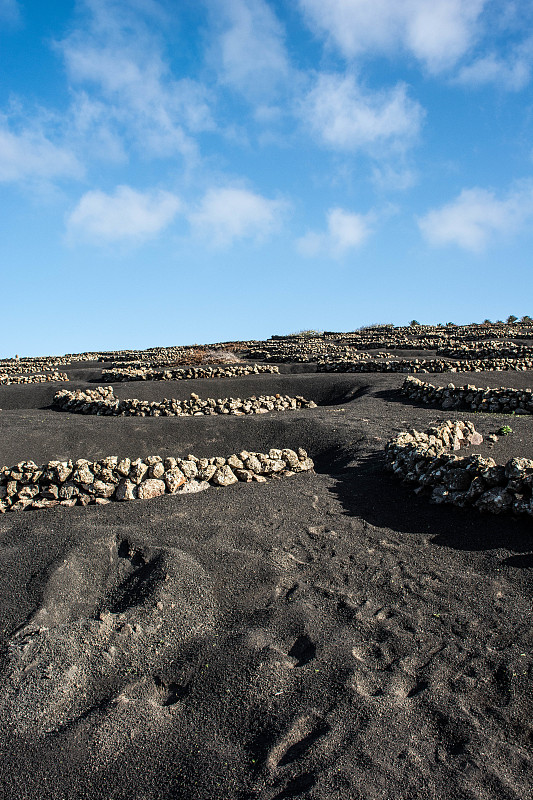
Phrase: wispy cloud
(248, 48)
(345, 231)
(125, 215)
(10, 13)
(437, 33)
(28, 155)
(346, 117)
(511, 72)
(227, 214)
(476, 216)
(118, 60)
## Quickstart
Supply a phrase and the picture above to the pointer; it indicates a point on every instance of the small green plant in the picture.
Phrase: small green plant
(505, 430)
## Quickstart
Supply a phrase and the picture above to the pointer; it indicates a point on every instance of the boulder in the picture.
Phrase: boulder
(151, 488)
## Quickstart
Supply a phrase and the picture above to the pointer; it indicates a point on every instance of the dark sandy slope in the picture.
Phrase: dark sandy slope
(328, 636)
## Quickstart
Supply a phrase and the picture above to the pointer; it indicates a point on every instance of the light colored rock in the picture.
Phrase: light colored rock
(157, 470)
(174, 478)
(207, 472)
(189, 469)
(137, 471)
(102, 489)
(82, 473)
(193, 486)
(152, 487)
(124, 466)
(224, 476)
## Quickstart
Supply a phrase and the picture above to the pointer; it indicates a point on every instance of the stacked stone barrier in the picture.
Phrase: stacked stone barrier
(235, 370)
(82, 482)
(42, 363)
(102, 402)
(429, 365)
(310, 352)
(501, 400)
(194, 358)
(426, 461)
(489, 349)
(17, 368)
(7, 380)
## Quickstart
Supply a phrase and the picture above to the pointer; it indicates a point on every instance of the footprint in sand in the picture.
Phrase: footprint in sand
(109, 611)
(279, 760)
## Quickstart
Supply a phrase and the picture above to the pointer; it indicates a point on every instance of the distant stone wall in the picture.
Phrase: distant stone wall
(424, 460)
(115, 375)
(430, 365)
(82, 482)
(6, 380)
(102, 402)
(488, 349)
(501, 400)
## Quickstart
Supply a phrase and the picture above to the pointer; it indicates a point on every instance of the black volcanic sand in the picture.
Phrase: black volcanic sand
(327, 636)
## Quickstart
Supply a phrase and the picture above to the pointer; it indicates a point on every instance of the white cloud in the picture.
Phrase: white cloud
(476, 215)
(346, 231)
(512, 72)
(248, 48)
(226, 214)
(126, 214)
(345, 117)
(438, 33)
(29, 155)
(94, 131)
(117, 57)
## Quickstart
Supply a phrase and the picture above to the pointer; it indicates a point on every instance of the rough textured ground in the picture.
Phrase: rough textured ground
(328, 636)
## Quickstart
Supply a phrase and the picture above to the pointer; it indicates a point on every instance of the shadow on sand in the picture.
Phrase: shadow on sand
(366, 490)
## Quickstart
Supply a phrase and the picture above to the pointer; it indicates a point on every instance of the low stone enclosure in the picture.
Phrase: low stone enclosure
(425, 461)
(82, 482)
(430, 365)
(116, 375)
(102, 402)
(8, 380)
(502, 400)
(486, 349)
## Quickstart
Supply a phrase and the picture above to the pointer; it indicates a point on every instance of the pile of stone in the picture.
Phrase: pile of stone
(429, 365)
(501, 400)
(147, 374)
(6, 380)
(82, 482)
(102, 402)
(425, 460)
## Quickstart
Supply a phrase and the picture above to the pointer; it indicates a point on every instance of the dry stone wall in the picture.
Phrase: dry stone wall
(427, 461)
(7, 380)
(489, 349)
(102, 402)
(115, 375)
(429, 365)
(502, 400)
(83, 482)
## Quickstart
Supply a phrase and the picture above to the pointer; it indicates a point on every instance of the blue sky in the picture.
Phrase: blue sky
(181, 171)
